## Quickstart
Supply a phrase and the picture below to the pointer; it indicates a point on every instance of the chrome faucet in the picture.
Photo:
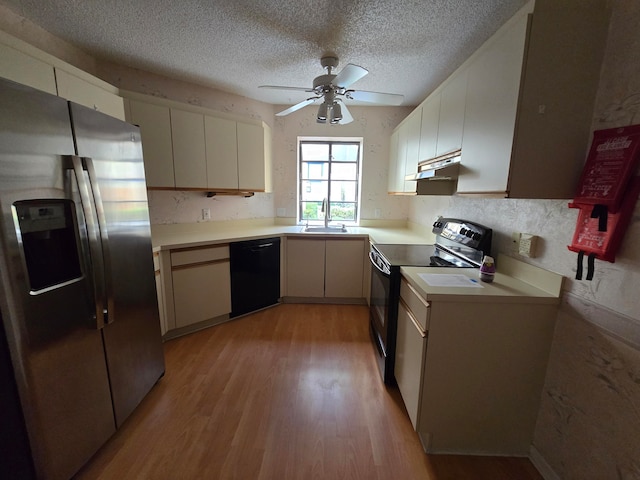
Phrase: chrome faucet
(325, 210)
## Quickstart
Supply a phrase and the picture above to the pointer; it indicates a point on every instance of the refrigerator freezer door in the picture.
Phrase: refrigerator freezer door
(112, 153)
(46, 299)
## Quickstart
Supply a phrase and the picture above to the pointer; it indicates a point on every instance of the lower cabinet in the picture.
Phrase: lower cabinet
(411, 347)
(325, 268)
(471, 373)
(201, 284)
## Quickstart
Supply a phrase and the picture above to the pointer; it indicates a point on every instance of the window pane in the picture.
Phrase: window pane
(315, 151)
(345, 153)
(343, 191)
(315, 170)
(311, 211)
(343, 211)
(344, 171)
(313, 190)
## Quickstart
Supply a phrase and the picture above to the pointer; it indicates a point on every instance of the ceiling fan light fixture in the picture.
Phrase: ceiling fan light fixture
(322, 112)
(336, 113)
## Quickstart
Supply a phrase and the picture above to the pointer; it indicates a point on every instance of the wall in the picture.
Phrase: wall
(589, 420)
(373, 124)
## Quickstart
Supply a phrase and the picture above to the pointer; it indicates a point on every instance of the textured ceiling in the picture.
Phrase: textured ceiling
(408, 46)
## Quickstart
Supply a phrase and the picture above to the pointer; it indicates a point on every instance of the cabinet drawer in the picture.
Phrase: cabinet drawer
(199, 255)
(418, 306)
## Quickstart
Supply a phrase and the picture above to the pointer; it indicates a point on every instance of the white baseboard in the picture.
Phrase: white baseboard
(541, 464)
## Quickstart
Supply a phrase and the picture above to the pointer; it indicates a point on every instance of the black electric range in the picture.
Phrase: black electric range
(459, 244)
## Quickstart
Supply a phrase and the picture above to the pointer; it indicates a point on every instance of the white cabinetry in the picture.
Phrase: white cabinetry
(404, 153)
(201, 284)
(393, 175)
(238, 155)
(27, 70)
(305, 267)
(325, 268)
(25, 64)
(530, 98)
(155, 129)
(472, 383)
(82, 88)
(205, 150)
(411, 346)
(451, 117)
(189, 158)
(344, 264)
(429, 127)
(222, 152)
(251, 157)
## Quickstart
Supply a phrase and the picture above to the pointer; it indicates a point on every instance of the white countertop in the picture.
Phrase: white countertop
(167, 237)
(518, 286)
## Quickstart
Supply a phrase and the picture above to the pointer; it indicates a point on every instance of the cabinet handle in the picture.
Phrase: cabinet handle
(422, 333)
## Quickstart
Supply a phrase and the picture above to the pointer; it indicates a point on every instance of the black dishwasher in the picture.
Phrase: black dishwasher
(255, 274)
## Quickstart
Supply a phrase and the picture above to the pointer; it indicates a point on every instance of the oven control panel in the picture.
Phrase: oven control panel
(463, 232)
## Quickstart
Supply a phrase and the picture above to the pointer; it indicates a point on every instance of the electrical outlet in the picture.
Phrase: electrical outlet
(377, 212)
(281, 212)
(206, 214)
(527, 245)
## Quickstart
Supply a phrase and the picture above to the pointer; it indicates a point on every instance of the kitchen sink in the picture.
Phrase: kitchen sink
(322, 229)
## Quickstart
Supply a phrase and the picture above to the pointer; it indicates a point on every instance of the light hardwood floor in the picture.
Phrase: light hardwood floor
(291, 392)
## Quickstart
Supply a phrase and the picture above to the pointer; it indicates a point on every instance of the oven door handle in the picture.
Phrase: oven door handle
(383, 270)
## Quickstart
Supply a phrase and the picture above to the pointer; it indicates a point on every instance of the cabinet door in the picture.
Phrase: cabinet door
(392, 184)
(201, 292)
(155, 129)
(27, 70)
(222, 152)
(251, 158)
(452, 107)
(305, 267)
(490, 115)
(412, 127)
(344, 265)
(429, 127)
(85, 93)
(410, 348)
(189, 160)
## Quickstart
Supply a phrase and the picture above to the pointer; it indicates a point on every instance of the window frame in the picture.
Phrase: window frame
(358, 180)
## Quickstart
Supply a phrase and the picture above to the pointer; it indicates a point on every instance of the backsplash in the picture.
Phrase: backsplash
(166, 207)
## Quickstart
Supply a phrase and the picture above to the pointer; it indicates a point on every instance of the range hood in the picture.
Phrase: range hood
(444, 167)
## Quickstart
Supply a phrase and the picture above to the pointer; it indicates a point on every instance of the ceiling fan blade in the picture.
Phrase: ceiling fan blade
(278, 87)
(375, 97)
(297, 106)
(346, 115)
(348, 75)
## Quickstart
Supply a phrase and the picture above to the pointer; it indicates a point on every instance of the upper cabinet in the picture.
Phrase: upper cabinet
(405, 152)
(155, 130)
(189, 157)
(451, 116)
(187, 147)
(80, 87)
(520, 108)
(27, 70)
(530, 99)
(30, 66)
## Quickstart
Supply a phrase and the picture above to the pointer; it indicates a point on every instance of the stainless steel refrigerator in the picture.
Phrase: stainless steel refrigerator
(77, 290)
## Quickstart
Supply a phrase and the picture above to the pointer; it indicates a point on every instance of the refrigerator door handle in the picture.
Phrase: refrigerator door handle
(104, 237)
(97, 260)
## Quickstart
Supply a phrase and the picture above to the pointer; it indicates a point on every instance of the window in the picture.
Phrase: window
(329, 170)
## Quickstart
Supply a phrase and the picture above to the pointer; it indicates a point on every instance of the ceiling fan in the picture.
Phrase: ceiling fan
(333, 89)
